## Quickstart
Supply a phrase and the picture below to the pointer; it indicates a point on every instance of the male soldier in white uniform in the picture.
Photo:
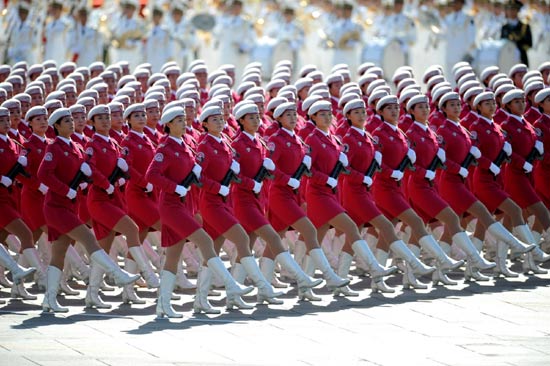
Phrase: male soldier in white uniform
(126, 35)
(56, 34)
(22, 37)
(158, 45)
(234, 37)
(459, 34)
(400, 27)
(184, 36)
(347, 37)
(85, 43)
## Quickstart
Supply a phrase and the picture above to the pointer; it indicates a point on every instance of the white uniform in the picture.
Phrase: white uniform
(185, 42)
(540, 28)
(158, 47)
(400, 27)
(56, 43)
(130, 32)
(347, 36)
(459, 35)
(289, 38)
(22, 45)
(235, 38)
(86, 45)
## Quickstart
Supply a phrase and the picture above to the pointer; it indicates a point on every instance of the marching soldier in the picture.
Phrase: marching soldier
(516, 31)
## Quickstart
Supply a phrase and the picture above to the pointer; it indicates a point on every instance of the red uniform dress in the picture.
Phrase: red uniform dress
(172, 162)
(488, 137)
(32, 200)
(373, 122)
(542, 168)
(305, 131)
(248, 208)
(517, 183)
(105, 209)
(469, 119)
(457, 143)
(388, 193)
(24, 129)
(422, 193)
(142, 206)
(81, 141)
(153, 135)
(322, 202)
(287, 152)
(61, 163)
(405, 121)
(500, 116)
(531, 115)
(191, 139)
(356, 198)
(9, 152)
(436, 119)
(215, 156)
(117, 136)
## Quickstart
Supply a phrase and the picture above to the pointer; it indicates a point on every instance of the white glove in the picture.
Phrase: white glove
(121, 182)
(463, 172)
(43, 188)
(110, 190)
(6, 181)
(294, 183)
(307, 161)
(378, 157)
(83, 186)
(442, 155)
(397, 175)
(71, 194)
(236, 167)
(367, 181)
(122, 164)
(332, 182)
(538, 145)
(507, 148)
(269, 164)
(197, 170)
(475, 152)
(22, 160)
(528, 167)
(494, 169)
(257, 187)
(224, 191)
(181, 190)
(343, 159)
(412, 156)
(85, 168)
(430, 175)
(148, 188)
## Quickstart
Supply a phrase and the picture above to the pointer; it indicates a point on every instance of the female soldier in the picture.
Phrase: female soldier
(388, 192)
(10, 220)
(457, 144)
(216, 158)
(357, 198)
(423, 194)
(324, 210)
(62, 162)
(517, 180)
(172, 163)
(142, 203)
(248, 209)
(106, 160)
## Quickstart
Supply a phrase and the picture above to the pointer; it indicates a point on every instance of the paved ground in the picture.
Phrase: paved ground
(506, 322)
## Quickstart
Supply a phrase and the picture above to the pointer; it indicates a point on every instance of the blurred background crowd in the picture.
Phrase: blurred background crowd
(390, 33)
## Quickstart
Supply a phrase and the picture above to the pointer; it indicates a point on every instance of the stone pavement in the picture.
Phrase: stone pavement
(502, 322)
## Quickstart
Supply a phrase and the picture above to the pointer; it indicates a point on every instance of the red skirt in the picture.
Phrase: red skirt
(176, 219)
(359, 204)
(217, 215)
(520, 187)
(389, 198)
(249, 211)
(284, 207)
(32, 203)
(453, 190)
(7, 208)
(61, 217)
(142, 207)
(426, 199)
(105, 211)
(322, 205)
(488, 189)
